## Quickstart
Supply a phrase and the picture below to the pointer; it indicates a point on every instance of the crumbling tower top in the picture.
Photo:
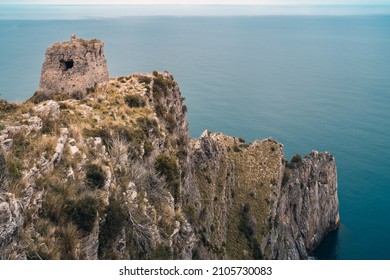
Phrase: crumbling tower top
(73, 66)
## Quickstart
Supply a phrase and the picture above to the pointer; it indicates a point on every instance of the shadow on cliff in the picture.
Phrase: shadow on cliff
(328, 250)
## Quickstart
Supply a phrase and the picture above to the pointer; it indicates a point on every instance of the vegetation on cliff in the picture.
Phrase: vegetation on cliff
(113, 174)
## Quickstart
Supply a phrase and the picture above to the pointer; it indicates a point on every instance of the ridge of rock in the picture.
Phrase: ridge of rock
(114, 174)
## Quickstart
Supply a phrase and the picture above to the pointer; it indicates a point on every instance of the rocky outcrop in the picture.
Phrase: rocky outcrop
(255, 204)
(235, 182)
(49, 109)
(73, 67)
(11, 218)
(305, 207)
(113, 174)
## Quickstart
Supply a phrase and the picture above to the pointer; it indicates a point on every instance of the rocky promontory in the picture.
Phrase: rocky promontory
(113, 173)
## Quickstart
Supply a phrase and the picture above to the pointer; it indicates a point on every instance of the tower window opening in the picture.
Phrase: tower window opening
(66, 64)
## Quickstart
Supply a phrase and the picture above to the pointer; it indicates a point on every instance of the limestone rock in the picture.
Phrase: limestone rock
(305, 207)
(11, 219)
(74, 150)
(36, 122)
(247, 184)
(70, 175)
(49, 109)
(59, 149)
(7, 144)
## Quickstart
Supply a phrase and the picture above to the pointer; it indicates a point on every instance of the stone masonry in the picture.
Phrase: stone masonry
(73, 67)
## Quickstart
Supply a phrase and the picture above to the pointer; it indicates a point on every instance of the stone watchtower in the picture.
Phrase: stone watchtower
(73, 67)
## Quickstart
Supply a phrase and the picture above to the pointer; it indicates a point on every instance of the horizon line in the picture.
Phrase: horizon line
(196, 4)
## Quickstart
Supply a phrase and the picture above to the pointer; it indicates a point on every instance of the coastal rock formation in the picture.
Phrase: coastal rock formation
(73, 67)
(304, 207)
(114, 174)
(255, 204)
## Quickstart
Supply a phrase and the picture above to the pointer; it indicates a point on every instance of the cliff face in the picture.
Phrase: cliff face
(100, 177)
(115, 175)
(304, 207)
(235, 182)
(255, 204)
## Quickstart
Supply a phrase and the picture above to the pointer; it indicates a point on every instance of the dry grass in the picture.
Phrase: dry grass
(55, 230)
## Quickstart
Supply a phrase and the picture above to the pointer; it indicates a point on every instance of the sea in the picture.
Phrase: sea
(311, 77)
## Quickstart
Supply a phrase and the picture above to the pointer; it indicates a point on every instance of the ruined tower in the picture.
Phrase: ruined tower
(73, 67)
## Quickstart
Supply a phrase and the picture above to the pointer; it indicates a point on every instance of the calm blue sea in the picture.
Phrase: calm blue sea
(311, 79)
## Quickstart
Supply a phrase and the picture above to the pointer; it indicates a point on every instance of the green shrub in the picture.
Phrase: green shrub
(116, 218)
(146, 125)
(148, 148)
(103, 133)
(83, 213)
(160, 110)
(162, 252)
(286, 177)
(53, 206)
(15, 168)
(57, 198)
(78, 95)
(39, 97)
(21, 144)
(144, 79)
(95, 176)
(91, 90)
(69, 236)
(166, 166)
(248, 227)
(296, 158)
(5, 106)
(160, 86)
(190, 212)
(181, 153)
(49, 126)
(171, 122)
(134, 101)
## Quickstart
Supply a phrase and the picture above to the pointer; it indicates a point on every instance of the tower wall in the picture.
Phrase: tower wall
(73, 67)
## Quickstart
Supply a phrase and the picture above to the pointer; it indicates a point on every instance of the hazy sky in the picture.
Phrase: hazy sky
(194, 2)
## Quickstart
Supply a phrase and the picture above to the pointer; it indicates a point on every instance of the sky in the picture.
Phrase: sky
(274, 2)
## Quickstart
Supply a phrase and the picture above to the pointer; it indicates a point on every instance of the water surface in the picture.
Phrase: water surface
(314, 81)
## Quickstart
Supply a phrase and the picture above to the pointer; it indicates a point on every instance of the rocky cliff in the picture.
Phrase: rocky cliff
(255, 204)
(115, 175)
(304, 207)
